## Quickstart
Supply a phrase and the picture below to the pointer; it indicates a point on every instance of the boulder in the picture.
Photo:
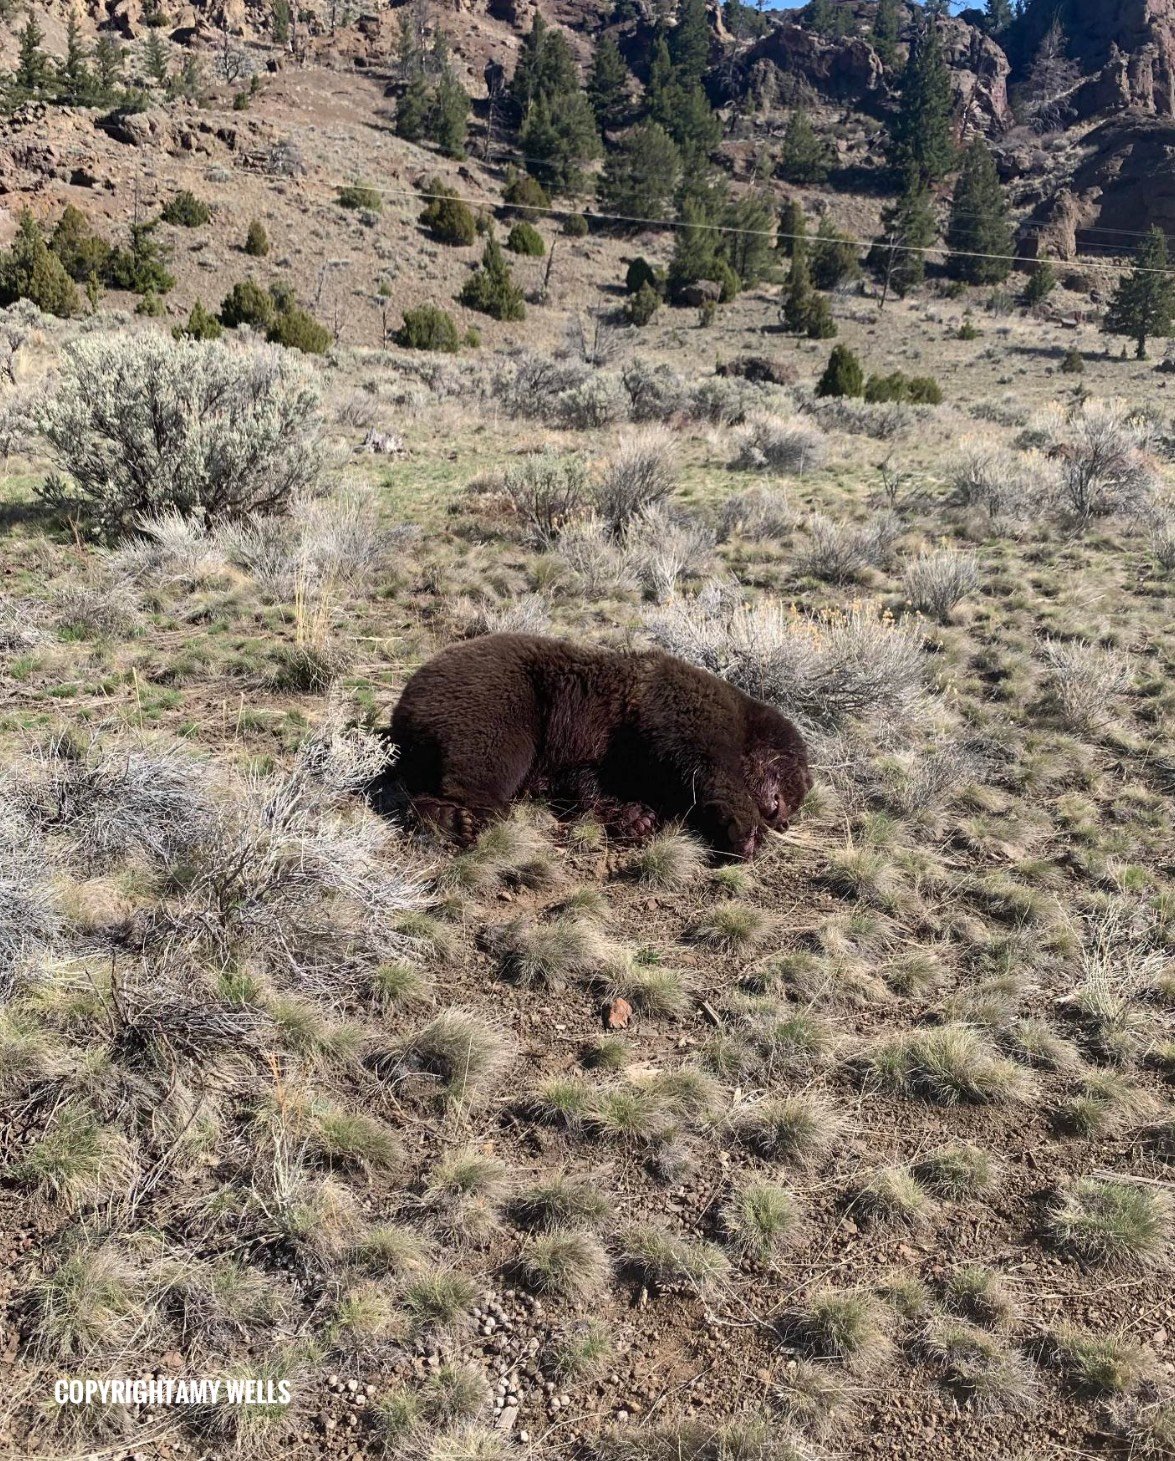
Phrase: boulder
(150, 128)
(700, 292)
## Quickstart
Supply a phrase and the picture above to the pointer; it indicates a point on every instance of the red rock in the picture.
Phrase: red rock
(618, 1014)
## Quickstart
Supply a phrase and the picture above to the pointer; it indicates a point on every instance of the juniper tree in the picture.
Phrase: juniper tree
(978, 234)
(834, 256)
(922, 148)
(491, 289)
(793, 228)
(30, 270)
(1144, 301)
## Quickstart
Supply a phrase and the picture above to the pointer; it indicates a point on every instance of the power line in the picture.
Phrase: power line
(925, 250)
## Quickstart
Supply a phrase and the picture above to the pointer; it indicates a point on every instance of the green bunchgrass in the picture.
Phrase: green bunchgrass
(787, 1128)
(564, 1101)
(957, 1171)
(438, 1301)
(891, 1197)
(1111, 1223)
(976, 1293)
(649, 988)
(759, 1219)
(460, 1050)
(76, 1160)
(981, 1368)
(944, 1064)
(670, 861)
(847, 1325)
(1098, 1364)
(578, 1352)
(350, 1138)
(807, 1394)
(561, 1201)
(661, 1259)
(453, 1395)
(564, 1263)
(733, 928)
(391, 1249)
(546, 955)
(398, 986)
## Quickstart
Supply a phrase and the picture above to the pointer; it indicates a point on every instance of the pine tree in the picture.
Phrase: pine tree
(155, 57)
(696, 129)
(797, 300)
(660, 92)
(545, 69)
(412, 109)
(74, 82)
(641, 174)
(695, 253)
(558, 138)
(997, 15)
(446, 117)
(820, 16)
(804, 157)
(908, 228)
(886, 31)
(1144, 302)
(491, 289)
(750, 240)
(922, 149)
(834, 256)
(607, 86)
(689, 44)
(978, 233)
(32, 66)
(107, 65)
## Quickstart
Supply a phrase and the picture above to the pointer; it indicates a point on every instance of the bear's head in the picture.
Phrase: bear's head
(775, 765)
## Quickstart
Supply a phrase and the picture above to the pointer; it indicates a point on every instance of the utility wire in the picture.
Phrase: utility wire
(881, 241)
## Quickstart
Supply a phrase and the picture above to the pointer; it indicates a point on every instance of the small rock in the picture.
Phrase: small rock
(618, 1014)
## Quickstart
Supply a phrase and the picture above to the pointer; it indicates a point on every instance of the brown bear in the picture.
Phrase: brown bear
(636, 738)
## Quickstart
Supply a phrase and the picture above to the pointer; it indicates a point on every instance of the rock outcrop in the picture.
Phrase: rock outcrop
(1129, 46)
(849, 71)
(1125, 185)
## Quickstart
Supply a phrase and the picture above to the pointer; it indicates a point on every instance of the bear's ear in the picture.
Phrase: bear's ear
(795, 781)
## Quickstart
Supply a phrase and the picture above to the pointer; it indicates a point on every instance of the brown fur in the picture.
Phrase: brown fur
(637, 738)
